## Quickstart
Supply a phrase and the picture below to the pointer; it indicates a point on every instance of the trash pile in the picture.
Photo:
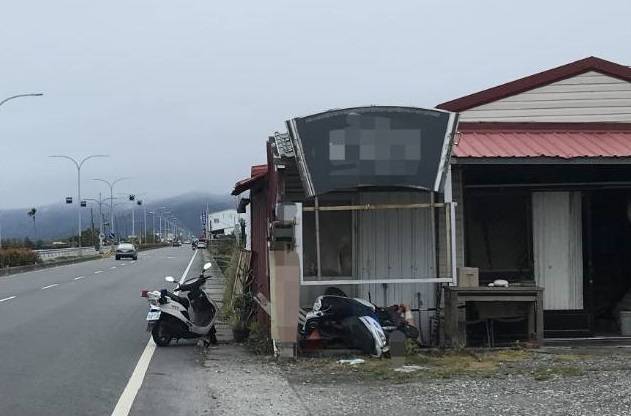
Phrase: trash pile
(338, 320)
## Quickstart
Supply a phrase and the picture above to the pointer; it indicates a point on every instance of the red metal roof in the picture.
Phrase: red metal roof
(553, 140)
(257, 173)
(540, 79)
(258, 170)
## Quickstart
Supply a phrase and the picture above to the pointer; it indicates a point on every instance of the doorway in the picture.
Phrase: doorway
(609, 267)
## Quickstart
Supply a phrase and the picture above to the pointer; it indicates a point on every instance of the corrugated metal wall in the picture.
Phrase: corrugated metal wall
(558, 248)
(393, 244)
(259, 262)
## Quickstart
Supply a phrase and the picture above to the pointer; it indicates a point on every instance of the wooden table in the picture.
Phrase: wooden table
(504, 297)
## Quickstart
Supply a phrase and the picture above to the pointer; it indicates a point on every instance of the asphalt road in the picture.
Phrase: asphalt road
(70, 337)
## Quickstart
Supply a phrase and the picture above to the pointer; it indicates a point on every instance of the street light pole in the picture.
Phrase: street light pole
(111, 186)
(78, 165)
(13, 97)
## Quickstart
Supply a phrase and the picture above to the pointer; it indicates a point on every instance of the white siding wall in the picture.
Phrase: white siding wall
(558, 249)
(587, 97)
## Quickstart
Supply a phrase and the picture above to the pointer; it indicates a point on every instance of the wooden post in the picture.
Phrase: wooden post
(539, 323)
(317, 232)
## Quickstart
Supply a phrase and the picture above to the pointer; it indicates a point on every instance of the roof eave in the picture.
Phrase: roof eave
(518, 86)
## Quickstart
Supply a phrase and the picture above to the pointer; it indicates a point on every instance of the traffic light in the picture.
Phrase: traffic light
(68, 200)
(132, 197)
(139, 202)
(84, 203)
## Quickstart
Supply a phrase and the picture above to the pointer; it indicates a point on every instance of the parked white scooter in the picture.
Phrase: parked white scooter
(191, 314)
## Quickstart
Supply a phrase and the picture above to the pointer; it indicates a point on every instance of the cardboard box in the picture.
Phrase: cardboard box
(468, 277)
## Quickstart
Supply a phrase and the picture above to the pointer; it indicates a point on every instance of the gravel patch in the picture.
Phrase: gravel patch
(240, 383)
(548, 382)
(553, 381)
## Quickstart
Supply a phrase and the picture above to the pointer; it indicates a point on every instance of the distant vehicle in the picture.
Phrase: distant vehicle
(126, 250)
(201, 244)
(177, 243)
(187, 242)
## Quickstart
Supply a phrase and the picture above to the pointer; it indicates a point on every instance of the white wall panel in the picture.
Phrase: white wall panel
(587, 97)
(558, 248)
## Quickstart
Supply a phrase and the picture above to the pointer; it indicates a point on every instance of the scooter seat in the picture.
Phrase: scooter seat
(179, 299)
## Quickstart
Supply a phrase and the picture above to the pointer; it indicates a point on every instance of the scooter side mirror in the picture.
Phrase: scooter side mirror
(169, 279)
(207, 266)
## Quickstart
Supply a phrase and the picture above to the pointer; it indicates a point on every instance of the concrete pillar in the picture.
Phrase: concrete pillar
(285, 295)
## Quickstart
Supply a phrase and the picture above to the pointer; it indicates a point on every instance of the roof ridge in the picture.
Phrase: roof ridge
(591, 63)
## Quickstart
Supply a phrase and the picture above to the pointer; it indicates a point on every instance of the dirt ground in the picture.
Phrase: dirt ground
(549, 381)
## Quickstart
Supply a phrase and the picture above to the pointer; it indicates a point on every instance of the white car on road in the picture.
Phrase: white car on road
(126, 250)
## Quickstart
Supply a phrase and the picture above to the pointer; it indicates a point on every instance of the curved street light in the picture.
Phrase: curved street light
(78, 164)
(38, 94)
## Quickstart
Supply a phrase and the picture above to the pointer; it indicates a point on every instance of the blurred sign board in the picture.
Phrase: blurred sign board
(373, 147)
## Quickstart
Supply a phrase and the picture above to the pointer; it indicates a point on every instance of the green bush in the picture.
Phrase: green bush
(14, 256)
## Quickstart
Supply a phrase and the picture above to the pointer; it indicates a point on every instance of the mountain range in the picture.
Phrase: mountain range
(58, 221)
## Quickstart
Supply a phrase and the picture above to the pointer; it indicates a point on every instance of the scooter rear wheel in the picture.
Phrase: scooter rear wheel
(160, 336)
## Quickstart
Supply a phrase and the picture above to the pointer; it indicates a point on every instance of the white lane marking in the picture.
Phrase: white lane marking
(126, 400)
(135, 381)
(170, 257)
(133, 262)
(113, 267)
(49, 286)
(190, 263)
(98, 271)
(122, 264)
(9, 298)
(78, 277)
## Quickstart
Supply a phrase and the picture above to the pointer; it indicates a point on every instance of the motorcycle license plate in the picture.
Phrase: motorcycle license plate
(153, 315)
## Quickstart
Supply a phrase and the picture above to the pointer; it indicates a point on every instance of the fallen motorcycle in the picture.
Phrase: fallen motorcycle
(188, 312)
(351, 321)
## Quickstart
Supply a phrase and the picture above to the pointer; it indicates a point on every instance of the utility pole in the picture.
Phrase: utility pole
(111, 184)
(92, 221)
(100, 202)
(144, 209)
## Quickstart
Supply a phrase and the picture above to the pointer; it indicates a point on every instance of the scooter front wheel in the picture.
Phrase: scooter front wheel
(160, 335)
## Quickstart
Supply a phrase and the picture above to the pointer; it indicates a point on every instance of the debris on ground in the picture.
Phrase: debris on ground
(410, 368)
(353, 361)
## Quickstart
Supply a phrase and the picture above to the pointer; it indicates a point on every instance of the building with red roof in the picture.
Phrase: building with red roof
(542, 175)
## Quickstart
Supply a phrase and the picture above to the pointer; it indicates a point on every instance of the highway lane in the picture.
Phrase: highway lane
(71, 336)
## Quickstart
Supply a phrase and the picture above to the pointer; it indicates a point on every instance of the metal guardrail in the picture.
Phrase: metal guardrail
(65, 252)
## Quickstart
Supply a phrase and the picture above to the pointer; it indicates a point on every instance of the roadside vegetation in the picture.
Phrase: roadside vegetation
(18, 256)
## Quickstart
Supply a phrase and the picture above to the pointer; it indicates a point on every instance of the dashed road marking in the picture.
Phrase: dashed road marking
(79, 277)
(98, 271)
(122, 264)
(113, 267)
(49, 286)
(9, 298)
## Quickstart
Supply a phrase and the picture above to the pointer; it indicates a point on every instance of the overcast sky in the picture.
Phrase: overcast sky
(182, 94)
